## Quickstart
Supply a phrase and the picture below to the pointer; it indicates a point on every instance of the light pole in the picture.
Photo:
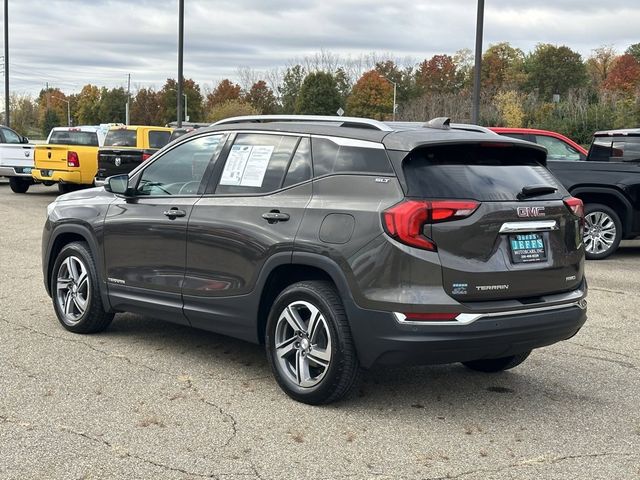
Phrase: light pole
(68, 109)
(395, 88)
(6, 63)
(180, 53)
(475, 111)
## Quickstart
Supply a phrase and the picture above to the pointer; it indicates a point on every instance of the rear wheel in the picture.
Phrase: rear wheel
(493, 365)
(309, 344)
(19, 185)
(75, 290)
(602, 231)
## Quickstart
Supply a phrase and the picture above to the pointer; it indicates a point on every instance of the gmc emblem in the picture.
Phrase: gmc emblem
(531, 211)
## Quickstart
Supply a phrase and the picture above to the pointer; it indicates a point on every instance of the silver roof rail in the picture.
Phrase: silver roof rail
(354, 122)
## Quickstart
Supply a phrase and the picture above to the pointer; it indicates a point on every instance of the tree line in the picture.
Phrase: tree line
(551, 87)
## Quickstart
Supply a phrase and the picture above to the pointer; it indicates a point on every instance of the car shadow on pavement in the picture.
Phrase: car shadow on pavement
(536, 385)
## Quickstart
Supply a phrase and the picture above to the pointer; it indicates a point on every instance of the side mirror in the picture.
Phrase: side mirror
(24, 140)
(118, 184)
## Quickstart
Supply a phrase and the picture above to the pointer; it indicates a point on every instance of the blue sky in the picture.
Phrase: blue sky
(69, 43)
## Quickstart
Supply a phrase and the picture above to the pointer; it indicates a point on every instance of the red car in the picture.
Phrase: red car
(558, 146)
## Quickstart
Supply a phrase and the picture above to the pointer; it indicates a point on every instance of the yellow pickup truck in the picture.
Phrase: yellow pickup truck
(70, 156)
(126, 147)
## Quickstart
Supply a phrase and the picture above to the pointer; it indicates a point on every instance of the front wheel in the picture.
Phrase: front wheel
(493, 365)
(602, 231)
(75, 290)
(309, 344)
(19, 185)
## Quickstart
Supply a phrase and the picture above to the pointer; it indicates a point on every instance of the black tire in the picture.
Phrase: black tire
(599, 211)
(493, 365)
(65, 187)
(19, 185)
(343, 367)
(93, 318)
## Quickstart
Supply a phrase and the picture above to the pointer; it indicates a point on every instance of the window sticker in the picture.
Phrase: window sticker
(257, 166)
(236, 163)
(246, 165)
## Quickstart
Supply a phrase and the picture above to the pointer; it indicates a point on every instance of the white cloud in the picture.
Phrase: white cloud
(69, 43)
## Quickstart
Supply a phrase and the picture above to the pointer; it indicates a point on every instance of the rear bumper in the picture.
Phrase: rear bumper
(15, 172)
(45, 175)
(382, 339)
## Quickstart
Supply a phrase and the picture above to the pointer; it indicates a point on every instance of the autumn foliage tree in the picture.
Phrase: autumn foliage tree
(624, 75)
(438, 75)
(224, 91)
(261, 97)
(371, 96)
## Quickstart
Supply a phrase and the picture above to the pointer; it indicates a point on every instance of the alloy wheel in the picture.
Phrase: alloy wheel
(303, 344)
(599, 232)
(72, 289)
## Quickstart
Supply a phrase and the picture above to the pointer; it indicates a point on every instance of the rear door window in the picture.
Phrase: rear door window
(477, 172)
(343, 155)
(71, 137)
(625, 149)
(557, 149)
(158, 138)
(256, 163)
(300, 167)
(121, 138)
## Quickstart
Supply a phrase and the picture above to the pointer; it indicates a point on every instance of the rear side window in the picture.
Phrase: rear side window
(158, 139)
(300, 167)
(475, 172)
(337, 155)
(121, 138)
(557, 149)
(615, 149)
(256, 163)
(10, 136)
(89, 139)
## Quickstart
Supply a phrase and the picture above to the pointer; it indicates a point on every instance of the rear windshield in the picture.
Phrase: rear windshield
(71, 137)
(476, 172)
(615, 149)
(158, 139)
(121, 138)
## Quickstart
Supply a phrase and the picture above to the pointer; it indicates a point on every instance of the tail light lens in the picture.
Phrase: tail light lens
(72, 159)
(575, 205)
(405, 221)
(145, 156)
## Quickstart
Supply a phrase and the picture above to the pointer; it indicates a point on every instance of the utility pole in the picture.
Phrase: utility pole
(180, 52)
(395, 87)
(127, 115)
(6, 63)
(475, 112)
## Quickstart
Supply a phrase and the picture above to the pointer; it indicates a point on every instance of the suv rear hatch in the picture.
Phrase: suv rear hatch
(503, 226)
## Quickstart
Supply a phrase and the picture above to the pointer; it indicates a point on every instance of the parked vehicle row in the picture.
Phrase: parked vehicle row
(339, 243)
(75, 157)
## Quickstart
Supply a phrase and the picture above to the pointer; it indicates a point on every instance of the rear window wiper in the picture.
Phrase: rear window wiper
(535, 190)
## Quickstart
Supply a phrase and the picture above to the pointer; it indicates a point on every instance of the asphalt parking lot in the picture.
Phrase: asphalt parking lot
(148, 399)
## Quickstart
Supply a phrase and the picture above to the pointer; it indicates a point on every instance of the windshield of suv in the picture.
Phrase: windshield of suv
(71, 137)
(484, 173)
(121, 138)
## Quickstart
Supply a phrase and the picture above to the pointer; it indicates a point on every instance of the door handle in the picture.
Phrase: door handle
(174, 212)
(275, 216)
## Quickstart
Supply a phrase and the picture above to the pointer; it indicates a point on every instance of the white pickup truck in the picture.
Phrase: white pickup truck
(16, 159)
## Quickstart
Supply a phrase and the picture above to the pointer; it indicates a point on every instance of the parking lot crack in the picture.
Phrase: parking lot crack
(602, 359)
(600, 349)
(532, 462)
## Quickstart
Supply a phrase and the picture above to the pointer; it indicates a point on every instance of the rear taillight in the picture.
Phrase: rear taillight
(575, 205)
(72, 159)
(145, 156)
(405, 221)
(430, 317)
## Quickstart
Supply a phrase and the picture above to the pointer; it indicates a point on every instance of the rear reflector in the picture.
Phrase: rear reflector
(430, 317)
(405, 221)
(72, 159)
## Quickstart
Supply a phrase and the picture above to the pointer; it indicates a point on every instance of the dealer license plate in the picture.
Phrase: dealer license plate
(527, 248)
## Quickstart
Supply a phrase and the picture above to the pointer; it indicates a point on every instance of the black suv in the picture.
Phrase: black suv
(339, 243)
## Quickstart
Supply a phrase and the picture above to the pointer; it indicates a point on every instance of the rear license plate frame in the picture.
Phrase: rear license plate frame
(527, 248)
